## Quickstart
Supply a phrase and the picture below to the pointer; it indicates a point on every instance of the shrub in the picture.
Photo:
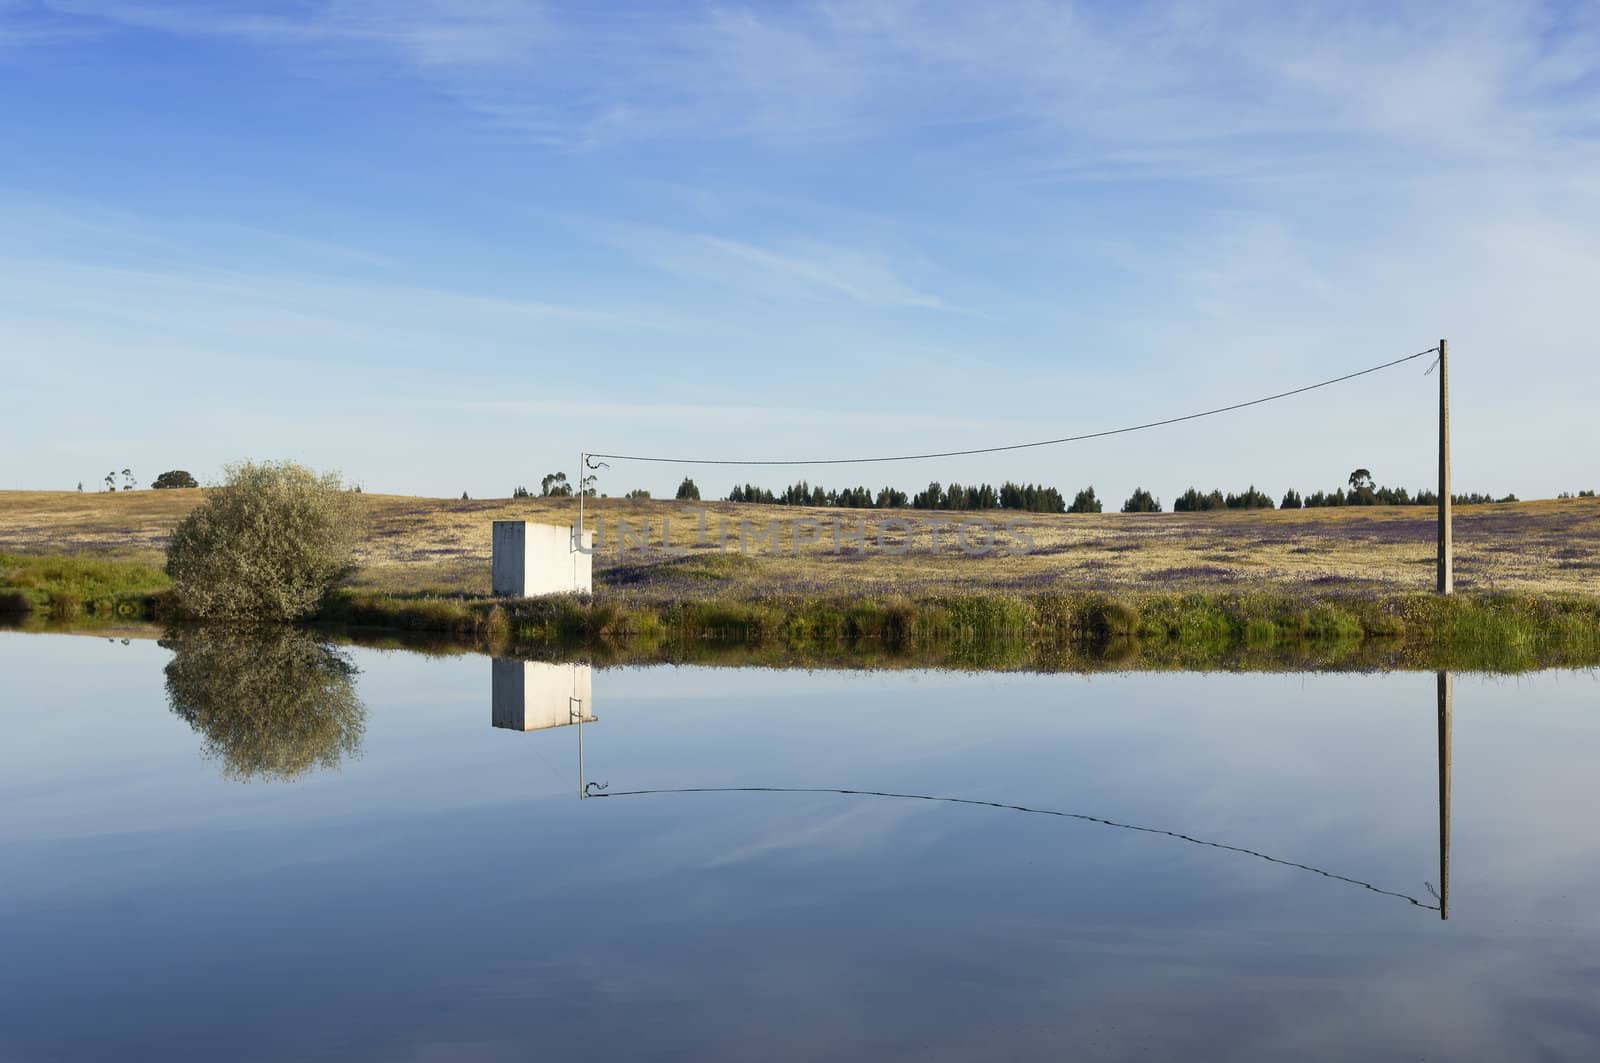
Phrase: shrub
(521, 492)
(1104, 618)
(60, 605)
(269, 544)
(637, 492)
(688, 491)
(1141, 501)
(173, 478)
(271, 703)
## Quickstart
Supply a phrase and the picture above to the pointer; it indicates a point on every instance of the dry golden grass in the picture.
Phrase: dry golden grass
(442, 546)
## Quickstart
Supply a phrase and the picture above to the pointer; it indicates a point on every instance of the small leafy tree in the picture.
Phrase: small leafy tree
(688, 491)
(1085, 502)
(270, 544)
(521, 492)
(271, 703)
(1141, 501)
(174, 478)
(637, 492)
(128, 481)
(1291, 500)
(111, 480)
(554, 485)
(1361, 478)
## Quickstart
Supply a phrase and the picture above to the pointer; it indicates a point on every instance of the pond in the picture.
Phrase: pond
(230, 846)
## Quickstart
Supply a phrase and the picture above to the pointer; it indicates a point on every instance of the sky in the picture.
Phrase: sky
(446, 246)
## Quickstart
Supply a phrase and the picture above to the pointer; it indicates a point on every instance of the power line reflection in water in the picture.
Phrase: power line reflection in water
(562, 695)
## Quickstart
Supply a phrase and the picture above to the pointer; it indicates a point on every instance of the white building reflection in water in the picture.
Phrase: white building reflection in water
(534, 695)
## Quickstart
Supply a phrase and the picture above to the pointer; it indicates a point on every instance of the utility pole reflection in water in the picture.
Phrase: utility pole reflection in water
(1446, 705)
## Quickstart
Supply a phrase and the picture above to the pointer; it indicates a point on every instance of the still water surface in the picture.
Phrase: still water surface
(225, 849)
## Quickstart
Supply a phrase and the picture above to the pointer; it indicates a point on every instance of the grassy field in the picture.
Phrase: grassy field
(1351, 586)
(418, 546)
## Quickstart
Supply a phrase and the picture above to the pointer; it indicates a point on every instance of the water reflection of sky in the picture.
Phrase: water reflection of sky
(442, 893)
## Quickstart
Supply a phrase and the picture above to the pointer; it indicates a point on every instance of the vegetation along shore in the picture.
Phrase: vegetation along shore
(1193, 585)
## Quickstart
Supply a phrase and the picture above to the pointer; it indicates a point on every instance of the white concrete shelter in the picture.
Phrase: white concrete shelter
(534, 559)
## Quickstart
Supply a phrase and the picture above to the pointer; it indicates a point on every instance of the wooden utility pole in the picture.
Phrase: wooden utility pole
(1447, 578)
(1446, 710)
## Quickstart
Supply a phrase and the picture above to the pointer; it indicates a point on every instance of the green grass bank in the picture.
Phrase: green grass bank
(1199, 629)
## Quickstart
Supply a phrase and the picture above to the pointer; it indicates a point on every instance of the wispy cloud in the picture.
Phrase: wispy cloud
(1488, 79)
(831, 271)
(24, 25)
(430, 33)
(798, 268)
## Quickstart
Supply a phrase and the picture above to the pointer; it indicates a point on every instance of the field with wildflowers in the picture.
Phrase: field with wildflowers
(440, 547)
(1348, 587)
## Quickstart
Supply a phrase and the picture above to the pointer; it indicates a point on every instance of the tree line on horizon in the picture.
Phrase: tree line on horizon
(1029, 498)
(1038, 498)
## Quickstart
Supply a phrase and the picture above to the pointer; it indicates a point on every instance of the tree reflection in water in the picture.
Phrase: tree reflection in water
(272, 701)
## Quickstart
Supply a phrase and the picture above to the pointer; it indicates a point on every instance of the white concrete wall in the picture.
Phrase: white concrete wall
(533, 695)
(533, 559)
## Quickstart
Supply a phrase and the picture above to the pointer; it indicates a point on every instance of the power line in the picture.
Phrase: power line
(596, 790)
(1018, 446)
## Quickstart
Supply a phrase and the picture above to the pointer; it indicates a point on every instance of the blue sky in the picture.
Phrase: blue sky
(444, 246)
